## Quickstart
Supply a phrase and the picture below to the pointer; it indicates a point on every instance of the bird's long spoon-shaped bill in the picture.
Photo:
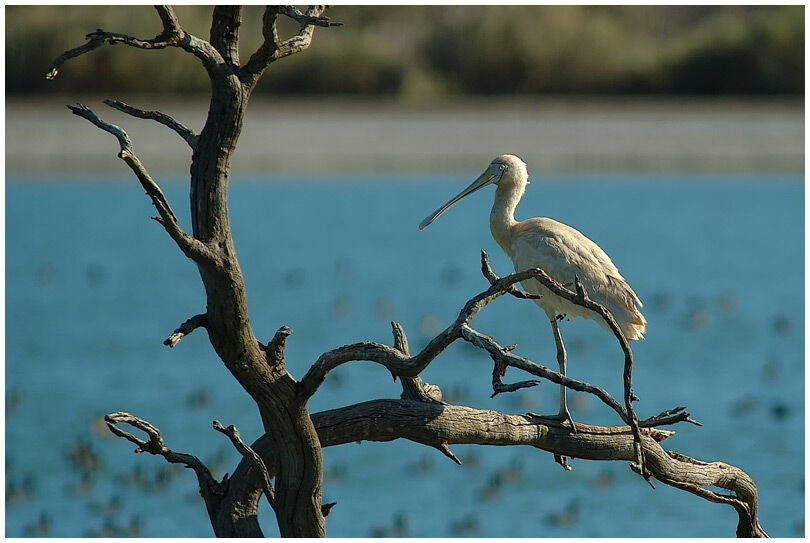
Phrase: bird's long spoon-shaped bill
(489, 176)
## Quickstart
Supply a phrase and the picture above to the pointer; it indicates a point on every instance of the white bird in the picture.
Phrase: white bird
(562, 252)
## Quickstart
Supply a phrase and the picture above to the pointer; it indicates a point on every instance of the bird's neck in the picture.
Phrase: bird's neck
(502, 217)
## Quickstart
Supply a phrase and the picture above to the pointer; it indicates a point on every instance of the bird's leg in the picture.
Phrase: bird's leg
(562, 360)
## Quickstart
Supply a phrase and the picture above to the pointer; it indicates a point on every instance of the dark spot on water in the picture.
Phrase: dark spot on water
(422, 467)
(603, 479)
(728, 303)
(696, 318)
(109, 528)
(106, 508)
(341, 307)
(782, 325)
(384, 309)
(45, 275)
(577, 345)
(399, 528)
(344, 268)
(458, 393)
(335, 379)
(84, 458)
(528, 400)
(14, 399)
(471, 460)
(294, 278)
(19, 491)
(40, 527)
(216, 462)
(96, 274)
(770, 370)
(744, 406)
(337, 472)
(660, 302)
(198, 399)
(451, 274)
(467, 526)
(565, 518)
(430, 325)
(579, 402)
(780, 411)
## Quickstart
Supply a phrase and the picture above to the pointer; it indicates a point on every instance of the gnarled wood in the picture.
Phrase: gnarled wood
(291, 448)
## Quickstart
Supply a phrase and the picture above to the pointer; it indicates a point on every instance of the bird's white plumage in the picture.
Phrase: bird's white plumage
(561, 251)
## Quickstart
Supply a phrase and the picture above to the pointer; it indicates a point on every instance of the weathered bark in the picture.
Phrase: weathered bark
(291, 449)
(297, 452)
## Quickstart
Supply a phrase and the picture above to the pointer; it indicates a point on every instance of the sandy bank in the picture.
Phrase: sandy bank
(323, 135)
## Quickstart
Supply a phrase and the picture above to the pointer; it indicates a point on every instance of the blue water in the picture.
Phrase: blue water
(93, 287)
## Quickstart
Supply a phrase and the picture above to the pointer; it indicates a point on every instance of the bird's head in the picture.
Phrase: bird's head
(504, 170)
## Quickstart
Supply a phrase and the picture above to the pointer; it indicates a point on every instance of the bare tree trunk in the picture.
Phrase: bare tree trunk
(290, 452)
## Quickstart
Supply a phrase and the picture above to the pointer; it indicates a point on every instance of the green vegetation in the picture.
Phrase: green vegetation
(417, 51)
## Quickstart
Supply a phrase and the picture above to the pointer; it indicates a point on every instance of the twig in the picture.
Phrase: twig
(187, 134)
(486, 270)
(251, 456)
(193, 248)
(273, 48)
(413, 388)
(499, 371)
(275, 349)
(171, 36)
(411, 366)
(186, 328)
(210, 488)
(294, 13)
(580, 297)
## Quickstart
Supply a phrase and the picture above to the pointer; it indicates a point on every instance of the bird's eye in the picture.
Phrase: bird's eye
(501, 167)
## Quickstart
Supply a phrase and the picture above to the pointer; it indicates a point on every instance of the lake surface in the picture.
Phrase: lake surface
(93, 287)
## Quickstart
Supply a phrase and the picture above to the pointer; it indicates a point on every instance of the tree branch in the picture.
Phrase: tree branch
(211, 490)
(191, 247)
(433, 424)
(272, 48)
(311, 18)
(410, 366)
(581, 298)
(171, 36)
(197, 321)
(186, 133)
(225, 32)
(413, 388)
(393, 359)
(275, 349)
(251, 456)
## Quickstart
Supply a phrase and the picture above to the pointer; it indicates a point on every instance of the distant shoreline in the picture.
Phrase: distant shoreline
(316, 135)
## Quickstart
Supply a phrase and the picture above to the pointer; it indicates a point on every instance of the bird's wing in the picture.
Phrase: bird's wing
(563, 252)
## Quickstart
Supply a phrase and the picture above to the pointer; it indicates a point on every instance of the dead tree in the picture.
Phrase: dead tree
(285, 464)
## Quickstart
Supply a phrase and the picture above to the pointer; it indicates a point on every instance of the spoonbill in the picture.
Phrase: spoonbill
(562, 252)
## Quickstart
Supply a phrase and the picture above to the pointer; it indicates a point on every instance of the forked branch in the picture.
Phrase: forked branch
(580, 298)
(250, 456)
(273, 48)
(192, 248)
(400, 364)
(171, 36)
(438, 426)
(186, 133)
(211, 490)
